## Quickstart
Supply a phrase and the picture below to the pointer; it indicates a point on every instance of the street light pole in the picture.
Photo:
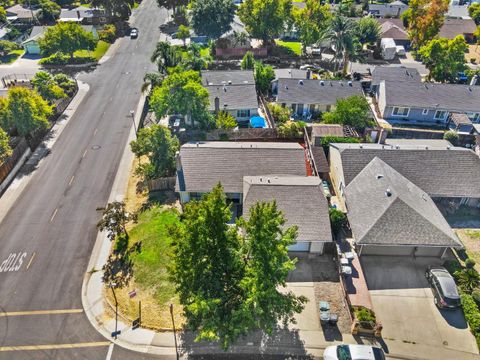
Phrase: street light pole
(174, 331)
(116, 310)
(132, 114)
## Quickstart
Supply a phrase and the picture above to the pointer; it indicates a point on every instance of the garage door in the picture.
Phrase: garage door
(402, 251)
(300, 246)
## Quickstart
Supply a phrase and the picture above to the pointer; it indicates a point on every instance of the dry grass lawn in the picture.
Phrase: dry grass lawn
(473, 52)
(471, 240)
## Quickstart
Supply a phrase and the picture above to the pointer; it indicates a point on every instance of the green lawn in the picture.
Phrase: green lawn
(99, 51)
(294, 46)
(11, 57)
(150, 263)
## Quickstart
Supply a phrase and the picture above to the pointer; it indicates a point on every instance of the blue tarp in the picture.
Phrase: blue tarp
(257, 122)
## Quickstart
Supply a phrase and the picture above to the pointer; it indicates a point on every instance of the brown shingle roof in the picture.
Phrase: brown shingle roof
(327, 130)
(453, 27)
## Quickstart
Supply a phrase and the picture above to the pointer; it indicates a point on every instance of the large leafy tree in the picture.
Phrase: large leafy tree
(424, 19)
(265, 19)
(267, 266)
(311, 21)
(343, 38)
(24, 110)
(44, 83)
(207, 269)
(114, 220)
(474, 12)
(353, 111)
(444, 58)
(212, 18)
(248, 61)
(66, 38)
(5, 149)
(8, 46)
(368, 30)
(172, 4)
(121, 9)
(157, 143)
(165, 56)
(228, 283)
(50, 10)
(182, 93)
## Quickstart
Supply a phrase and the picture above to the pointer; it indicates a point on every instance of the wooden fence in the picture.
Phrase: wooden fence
(10, 163)
(167, 183)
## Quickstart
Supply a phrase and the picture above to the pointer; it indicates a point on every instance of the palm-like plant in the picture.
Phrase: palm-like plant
(165, 56)
(341, 34)
(468, 279)
(152, 80)
(194, 59)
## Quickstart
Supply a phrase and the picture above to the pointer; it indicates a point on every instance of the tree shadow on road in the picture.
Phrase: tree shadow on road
(281, 344)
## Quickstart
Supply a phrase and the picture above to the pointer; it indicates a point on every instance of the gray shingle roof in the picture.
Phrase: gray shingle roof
(407, 217)
(440, 172)
(235, 77)
(394, 73)
(300, 199)
(451, 97)
(209, 163)
(291, 91)
(320, 159)
(454, 27)
(233, 97)
(290, 73)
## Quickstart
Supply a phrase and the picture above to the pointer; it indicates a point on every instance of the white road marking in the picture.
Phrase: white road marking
(31, 259)
(110, 352)
(54, 213)
(13, 262)
(71, 180)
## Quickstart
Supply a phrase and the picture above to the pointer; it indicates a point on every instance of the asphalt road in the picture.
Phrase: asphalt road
(49, 233)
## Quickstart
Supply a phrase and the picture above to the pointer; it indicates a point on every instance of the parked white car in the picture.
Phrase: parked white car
(353, 352)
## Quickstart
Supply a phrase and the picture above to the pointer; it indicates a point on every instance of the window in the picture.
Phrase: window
(424, 111)
(474, 117)
(400, 111)
(243, 113)
(440, 115)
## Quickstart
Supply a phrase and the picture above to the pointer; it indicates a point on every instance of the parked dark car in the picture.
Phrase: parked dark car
(134, 33)
(443, 286)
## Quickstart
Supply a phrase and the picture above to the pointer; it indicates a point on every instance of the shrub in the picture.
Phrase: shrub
(337, 219)
(451, 136)
(291, 129)
(280, 114)
(326, 140)
(452, 266)
(468, 279)
(476, 296)
(55, 59)
(364, 314)
(469, 263)
(472, 315)
(108, 33)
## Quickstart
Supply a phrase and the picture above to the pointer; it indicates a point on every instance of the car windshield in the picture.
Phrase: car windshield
(343, 352)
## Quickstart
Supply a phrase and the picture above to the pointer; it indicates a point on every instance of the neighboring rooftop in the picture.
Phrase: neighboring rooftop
(450, 97)
(458, 11)
(233, 97)
(300, 198)
(394, 73)
(38, 31)
(205, 164)
(290, 74)
(454, 27)
(392, 28)
(441, 172)
(460, 119)
(20, 12)
(385, 208)
(321, 92)
(319, 130)
(79, 13)
(395, 8)
(419, 143)
(228, 77)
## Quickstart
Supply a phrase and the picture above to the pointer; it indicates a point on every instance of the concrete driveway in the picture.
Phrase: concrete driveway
(403, 303)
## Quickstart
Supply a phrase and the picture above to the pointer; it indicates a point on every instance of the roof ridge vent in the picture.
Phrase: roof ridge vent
(397, 147)
(379, 176)
(388, 192)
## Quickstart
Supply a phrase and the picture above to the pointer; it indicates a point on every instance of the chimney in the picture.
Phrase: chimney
(217, 104)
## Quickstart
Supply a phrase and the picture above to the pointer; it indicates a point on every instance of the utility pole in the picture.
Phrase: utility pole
(174, 331)
(116, 332)
(132, 114)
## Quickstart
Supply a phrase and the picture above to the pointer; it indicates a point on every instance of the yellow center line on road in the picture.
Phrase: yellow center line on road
(54, 346)
(41, 312)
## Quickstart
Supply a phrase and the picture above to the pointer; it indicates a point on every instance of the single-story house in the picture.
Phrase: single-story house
(21, 14)
(443, 172)
(394, 9)
(302, 202)
(313, 96)
(31, 45)
(394, 29)
(245, 171)
(232, 91)
(457, 11)
(451, 28)
(393, 73)
(390, 215)
(83, 15)
(460, 123)
(411, 102)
